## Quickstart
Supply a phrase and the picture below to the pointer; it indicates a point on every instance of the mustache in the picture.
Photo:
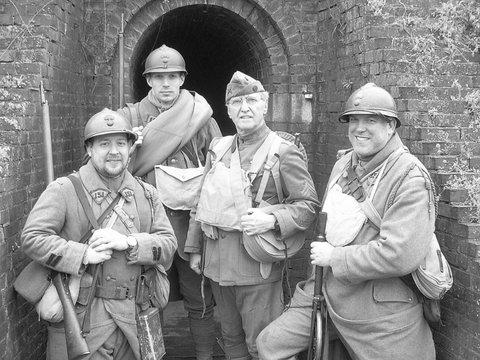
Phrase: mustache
(114, 158)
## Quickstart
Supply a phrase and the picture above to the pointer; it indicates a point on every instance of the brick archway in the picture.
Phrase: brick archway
(216, 39)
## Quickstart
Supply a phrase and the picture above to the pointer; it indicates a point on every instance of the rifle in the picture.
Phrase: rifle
(318, 323)
(77, 346)
(121, 95)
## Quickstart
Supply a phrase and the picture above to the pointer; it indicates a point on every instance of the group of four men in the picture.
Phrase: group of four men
(372, 312)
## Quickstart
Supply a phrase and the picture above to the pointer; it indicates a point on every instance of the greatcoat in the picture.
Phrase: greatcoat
(51, 237)
(376, 313)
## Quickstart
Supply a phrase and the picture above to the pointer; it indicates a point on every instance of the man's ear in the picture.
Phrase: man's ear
(392, 125)
(148, 77)
(182, 76)
(88, 148)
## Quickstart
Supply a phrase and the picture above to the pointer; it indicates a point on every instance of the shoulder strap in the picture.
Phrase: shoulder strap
(134, 114)
(263, 153)
(268, 169)
(148, 196)
(221, 146)
(77, 184)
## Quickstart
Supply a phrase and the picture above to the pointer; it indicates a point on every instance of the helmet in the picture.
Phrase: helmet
(164, 59)
(370, 99)
(108, 122)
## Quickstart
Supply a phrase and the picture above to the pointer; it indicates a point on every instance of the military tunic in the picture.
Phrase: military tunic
(51, 235)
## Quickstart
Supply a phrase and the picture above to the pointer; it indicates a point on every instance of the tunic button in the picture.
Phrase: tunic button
(132, 278)
(174, 161)
(222, 236)
(109, 278)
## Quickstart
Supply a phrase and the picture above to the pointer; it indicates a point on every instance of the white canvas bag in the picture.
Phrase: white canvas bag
(346, 216)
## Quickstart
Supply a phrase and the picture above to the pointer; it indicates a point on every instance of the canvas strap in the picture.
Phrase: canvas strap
(241, 201)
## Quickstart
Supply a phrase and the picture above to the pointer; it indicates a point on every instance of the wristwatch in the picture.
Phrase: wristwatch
(131, 242)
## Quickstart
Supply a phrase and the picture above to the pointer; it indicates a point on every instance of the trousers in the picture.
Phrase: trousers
(244, 311)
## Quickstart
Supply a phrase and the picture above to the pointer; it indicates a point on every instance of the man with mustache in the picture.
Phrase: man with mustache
(136, 233)
(177, 128)
(380, 205)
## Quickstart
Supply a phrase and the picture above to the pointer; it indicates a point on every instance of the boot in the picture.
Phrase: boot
(203, 333)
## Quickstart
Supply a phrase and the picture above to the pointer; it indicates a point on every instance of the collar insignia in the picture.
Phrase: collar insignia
(127, 194)
(99, 195)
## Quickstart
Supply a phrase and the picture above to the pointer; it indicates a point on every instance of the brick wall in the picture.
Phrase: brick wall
(372, 41)
(39, 42)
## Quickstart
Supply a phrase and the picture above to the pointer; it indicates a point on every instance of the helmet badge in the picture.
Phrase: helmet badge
(109, 120)
(165, 59)
(358, 99)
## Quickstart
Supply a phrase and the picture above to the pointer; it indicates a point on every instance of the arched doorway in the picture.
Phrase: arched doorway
(215, 42)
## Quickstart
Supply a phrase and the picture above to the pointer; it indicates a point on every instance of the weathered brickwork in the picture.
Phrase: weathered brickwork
(39, 42)
(310, 54)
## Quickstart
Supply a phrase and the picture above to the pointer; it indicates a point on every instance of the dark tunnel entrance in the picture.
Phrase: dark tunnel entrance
(215, 42)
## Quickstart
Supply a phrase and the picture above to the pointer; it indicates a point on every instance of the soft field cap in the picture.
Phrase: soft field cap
(242, 84)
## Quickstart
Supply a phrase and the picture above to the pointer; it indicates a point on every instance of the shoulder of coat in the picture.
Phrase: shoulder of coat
(148, 189)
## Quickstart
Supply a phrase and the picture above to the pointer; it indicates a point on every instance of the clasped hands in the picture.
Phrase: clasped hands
(101, 245)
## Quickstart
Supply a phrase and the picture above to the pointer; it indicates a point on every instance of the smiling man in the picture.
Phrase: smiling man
(231, 209)
(380, 206)
(121, 248)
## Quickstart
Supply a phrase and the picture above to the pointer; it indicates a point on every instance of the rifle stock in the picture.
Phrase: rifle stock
(317, 336)
(76, 344)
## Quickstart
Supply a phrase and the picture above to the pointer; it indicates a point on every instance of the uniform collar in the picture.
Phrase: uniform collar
(99, 191)
(260, 134)
(393, 144)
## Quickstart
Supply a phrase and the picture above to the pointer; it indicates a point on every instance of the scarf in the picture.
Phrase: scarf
(171, 130)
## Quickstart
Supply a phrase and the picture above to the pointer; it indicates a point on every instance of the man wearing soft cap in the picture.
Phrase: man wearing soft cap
(248, 293)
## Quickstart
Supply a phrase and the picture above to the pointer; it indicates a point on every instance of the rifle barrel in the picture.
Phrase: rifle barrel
(47, 137)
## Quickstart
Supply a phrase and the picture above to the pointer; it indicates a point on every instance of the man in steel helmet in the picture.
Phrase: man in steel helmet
(57, 222)
(177, 130)
(381, 216)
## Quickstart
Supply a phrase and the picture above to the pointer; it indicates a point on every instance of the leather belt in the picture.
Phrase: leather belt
(117, 292)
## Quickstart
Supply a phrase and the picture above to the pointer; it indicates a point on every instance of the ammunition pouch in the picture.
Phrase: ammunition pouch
(153, 288)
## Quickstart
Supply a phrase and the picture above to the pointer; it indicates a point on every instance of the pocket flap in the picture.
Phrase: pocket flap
(391, 290)
(182, 175)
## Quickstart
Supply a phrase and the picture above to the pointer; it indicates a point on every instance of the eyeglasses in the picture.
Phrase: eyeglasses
(238, 102)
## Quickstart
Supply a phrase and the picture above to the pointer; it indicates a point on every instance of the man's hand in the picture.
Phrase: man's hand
(195, 262)
(138, 130)
(321, 253)
(108, 239)
(257, 222)
(96, 257)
